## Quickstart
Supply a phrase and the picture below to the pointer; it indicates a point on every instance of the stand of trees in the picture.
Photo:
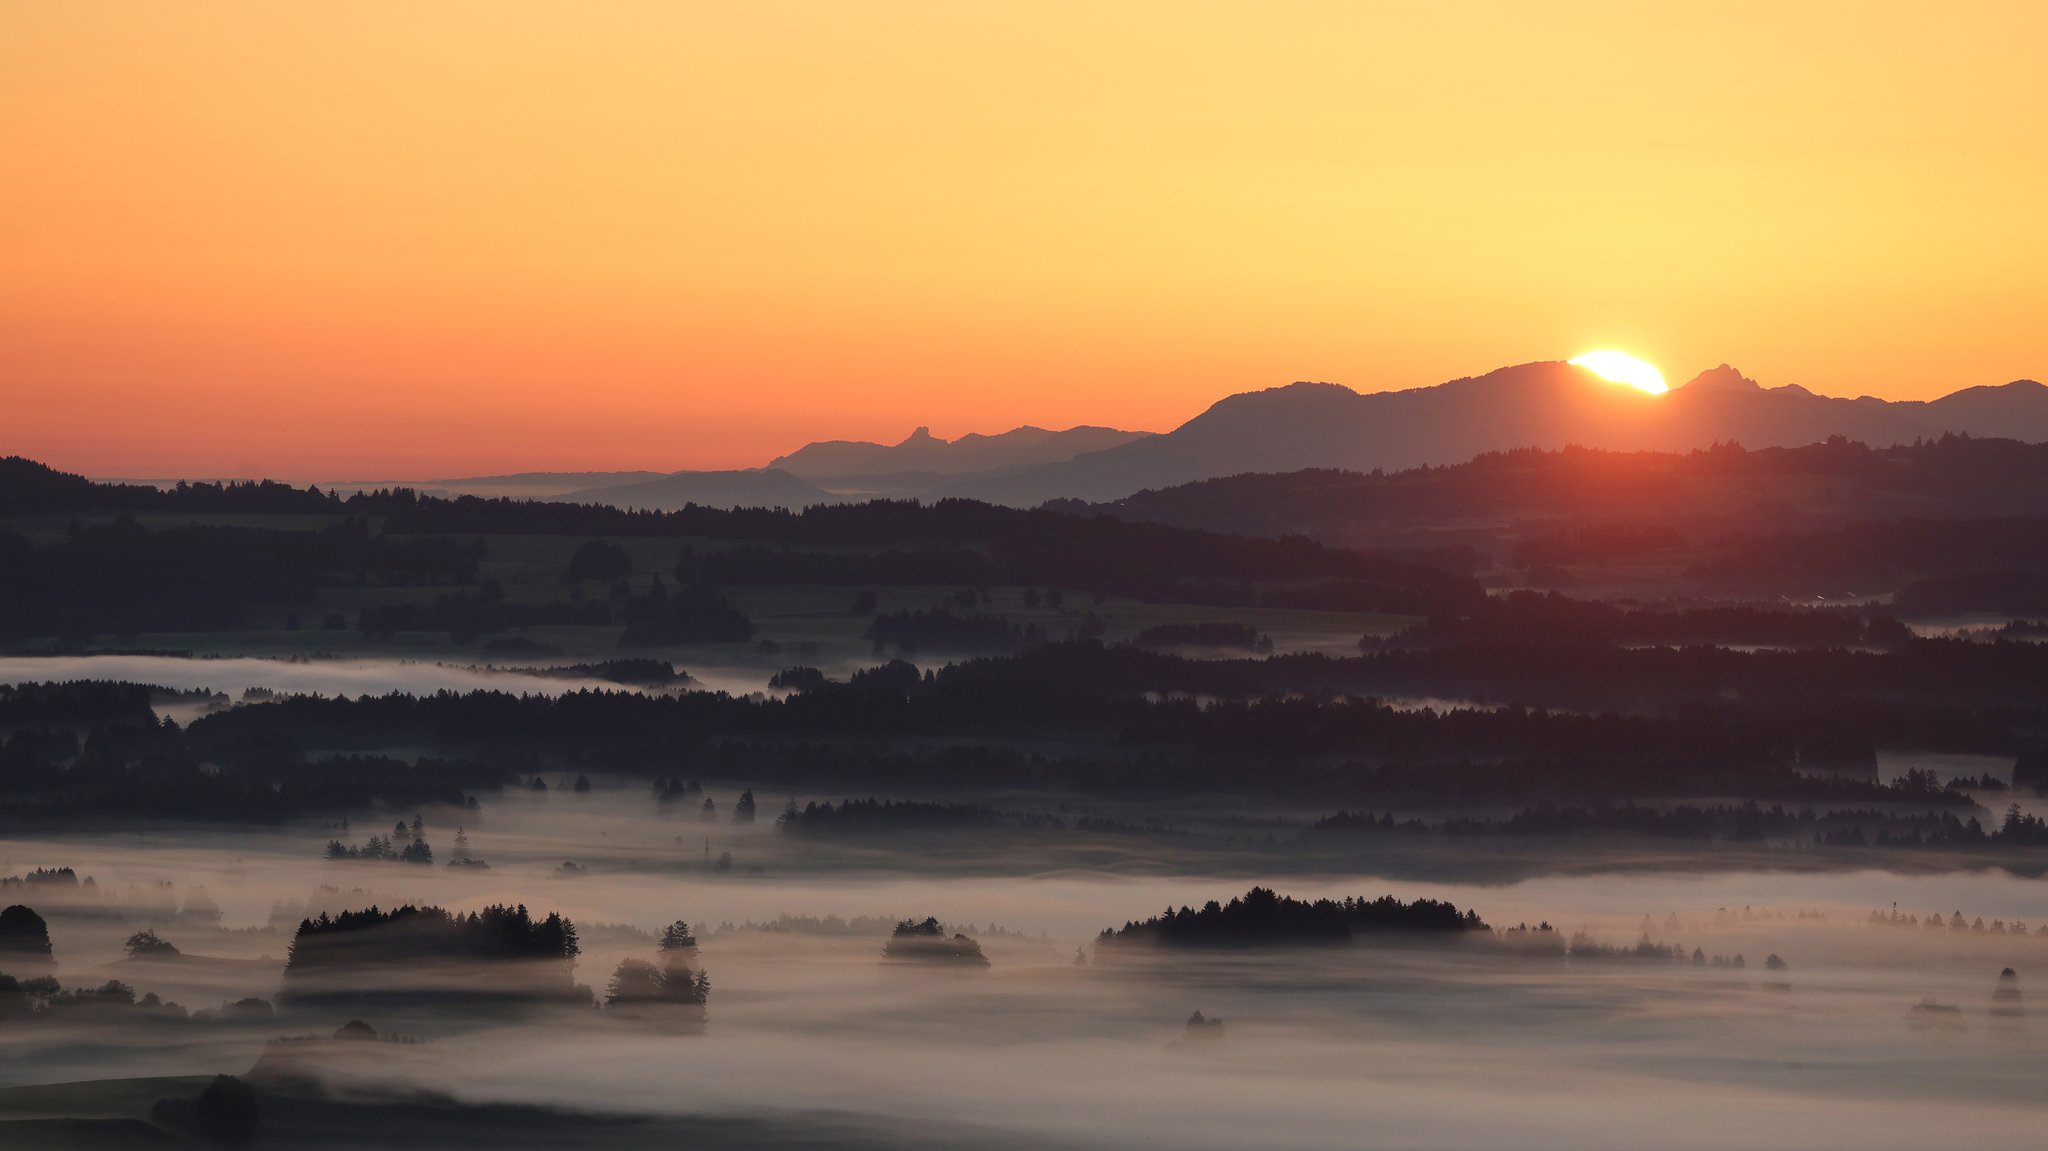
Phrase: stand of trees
(670, 991)
(1260, 917)
(926, 942)
(1527, 618)
(855, 817)
(24, 938)
(375, 952)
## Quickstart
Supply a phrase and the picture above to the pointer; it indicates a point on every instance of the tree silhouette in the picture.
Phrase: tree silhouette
(24, 937)
(927, 942)
(359, 952)
(227, 1111)
(676, 937)
(147, 943)
(669, 986)
(598, 560)
(1262, 917)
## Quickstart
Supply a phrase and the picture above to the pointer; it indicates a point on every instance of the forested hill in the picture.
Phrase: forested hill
(1714, 489)
(126, 560)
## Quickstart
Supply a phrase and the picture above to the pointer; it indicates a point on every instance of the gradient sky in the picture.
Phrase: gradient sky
(375, 240)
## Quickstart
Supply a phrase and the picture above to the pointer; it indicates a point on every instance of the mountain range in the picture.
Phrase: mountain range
(1541, 405)
(834, 471)
(1548, 404)
(923, 461)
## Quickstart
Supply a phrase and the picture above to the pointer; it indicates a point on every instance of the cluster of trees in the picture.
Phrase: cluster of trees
(24, 937)
(1146, 728)
(833, 925)
(1584, 948)
(147, 944)
(799, 678)
(1262, 917)
(631, 671)
(2018, 830)
(676, 790)
(693, 613)
(598, 560)
(926, 941)
(120, 578)
(1954, 922)
(151, 768)
(1539, 618)
(25, 947)
(640, 986)
(1642, 724)
(379, 848)
(881, 817)
(372, 952)
(670, 989)
(1745, 822)
(43, 877)
(31, 488)
(44, 998)
(227, 1111)
(55, 708)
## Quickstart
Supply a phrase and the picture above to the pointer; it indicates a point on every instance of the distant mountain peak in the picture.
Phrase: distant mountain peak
(1724, 378)
(923, 435)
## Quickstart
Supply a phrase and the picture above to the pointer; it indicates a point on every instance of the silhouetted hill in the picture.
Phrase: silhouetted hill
(1517, 495)
(2015, 409)
(28, 487)
(748, 488)
(837, 462)
(1544, 405)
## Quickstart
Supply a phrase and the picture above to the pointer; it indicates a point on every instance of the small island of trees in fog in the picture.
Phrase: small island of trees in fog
(1261, 917)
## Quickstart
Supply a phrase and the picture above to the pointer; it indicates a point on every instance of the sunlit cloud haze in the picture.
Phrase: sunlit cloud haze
(388, 239)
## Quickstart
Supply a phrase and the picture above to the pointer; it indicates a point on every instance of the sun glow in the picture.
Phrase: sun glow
(1623, 368)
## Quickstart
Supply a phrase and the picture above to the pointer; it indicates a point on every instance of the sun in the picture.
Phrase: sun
(1623, 368)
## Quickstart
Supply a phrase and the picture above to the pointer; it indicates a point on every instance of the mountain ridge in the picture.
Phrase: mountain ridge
(1544, 404)
(921, 451)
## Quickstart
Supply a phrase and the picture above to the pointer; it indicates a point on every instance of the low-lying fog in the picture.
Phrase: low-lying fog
(233, 675)
(1448, 1046)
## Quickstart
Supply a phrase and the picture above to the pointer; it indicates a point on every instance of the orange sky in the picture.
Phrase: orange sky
(410, 240)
